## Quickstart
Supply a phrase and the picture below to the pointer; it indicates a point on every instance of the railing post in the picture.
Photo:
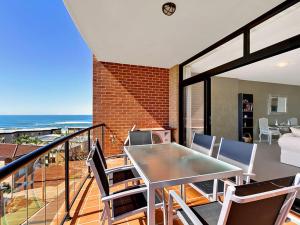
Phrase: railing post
(67, 192)
(89, 144)
(103, 136)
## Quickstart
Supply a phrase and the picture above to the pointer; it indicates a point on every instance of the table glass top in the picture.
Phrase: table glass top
(162, 162)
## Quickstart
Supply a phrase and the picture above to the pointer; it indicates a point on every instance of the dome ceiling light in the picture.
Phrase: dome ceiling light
(169, 8)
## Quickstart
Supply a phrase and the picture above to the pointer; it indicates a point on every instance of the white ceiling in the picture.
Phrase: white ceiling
(282, 69)
(136, 32)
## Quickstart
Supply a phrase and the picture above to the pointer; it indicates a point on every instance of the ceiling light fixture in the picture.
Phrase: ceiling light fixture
(282, 64)
(169, 8)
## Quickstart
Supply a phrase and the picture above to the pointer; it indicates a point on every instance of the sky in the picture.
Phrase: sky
(45, 65)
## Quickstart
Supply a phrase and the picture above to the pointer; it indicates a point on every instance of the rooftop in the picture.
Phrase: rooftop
(12, 151)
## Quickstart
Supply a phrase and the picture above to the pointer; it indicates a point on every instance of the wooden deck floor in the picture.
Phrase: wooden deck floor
(87, 208)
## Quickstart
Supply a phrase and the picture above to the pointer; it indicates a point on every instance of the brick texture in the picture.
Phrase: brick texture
(124, 95)
(173, 100)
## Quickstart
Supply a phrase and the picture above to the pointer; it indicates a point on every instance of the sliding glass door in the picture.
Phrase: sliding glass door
(193, 110)
(196, 110)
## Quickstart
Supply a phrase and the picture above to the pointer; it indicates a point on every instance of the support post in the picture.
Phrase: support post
(67, 190)
(103, 138)
(89, 149)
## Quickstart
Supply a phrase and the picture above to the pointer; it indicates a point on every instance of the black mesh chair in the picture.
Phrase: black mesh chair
(117, 175)
(203, 143)
(260, 203)
(126, 142)
(121, 204)
(237, 153)
(140, 137)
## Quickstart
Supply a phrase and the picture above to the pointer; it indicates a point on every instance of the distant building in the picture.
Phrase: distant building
(10, 152)
(9, 136)
(48, 138)
(72, 130)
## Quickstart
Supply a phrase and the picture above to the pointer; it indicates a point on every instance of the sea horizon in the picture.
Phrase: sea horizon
(8, 122)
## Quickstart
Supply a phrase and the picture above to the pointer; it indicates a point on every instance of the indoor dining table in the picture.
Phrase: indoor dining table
(165, 165)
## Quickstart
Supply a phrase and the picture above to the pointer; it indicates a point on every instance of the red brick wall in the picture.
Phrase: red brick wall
(124, 95)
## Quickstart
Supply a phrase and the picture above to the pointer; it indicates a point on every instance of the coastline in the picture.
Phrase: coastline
(35, 122)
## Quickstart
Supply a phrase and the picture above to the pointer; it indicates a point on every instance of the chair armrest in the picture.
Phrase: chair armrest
(119, 168)
(116, 156)
(185, 208)
(124, 193)
(127, 181)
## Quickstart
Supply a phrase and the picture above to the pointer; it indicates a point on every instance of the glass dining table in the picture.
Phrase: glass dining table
(165, 165)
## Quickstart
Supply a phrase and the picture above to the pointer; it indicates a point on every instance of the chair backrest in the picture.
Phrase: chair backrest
(261, 203)
(263, 124)
(238, 153)
(203, 143)
(100, 152)
(140, 137)
(294, 121)
(99, 172)
(126, 142)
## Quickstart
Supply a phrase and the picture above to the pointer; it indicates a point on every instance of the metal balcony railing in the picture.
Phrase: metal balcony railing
(41, 187)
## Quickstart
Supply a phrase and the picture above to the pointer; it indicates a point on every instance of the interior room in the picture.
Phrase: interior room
(257, 102)
(274, 88)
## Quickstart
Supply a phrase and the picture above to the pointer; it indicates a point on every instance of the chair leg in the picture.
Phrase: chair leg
(107, 213)
(259, 137)
(215, 191)
(165, 213)
(270, 139)
(102, 218)
(170, 211)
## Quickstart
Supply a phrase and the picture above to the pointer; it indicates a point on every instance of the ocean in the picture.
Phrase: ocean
(44, 121)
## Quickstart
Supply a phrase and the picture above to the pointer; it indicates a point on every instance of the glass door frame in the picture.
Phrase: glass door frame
(247, 58)
(206, 104)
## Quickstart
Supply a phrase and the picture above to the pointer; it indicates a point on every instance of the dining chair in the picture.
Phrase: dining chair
(293, 121)
(126, 142)
(138, 137)
(117, 175)
(260, 203)
(123, 203)
(203, 143)
(237, 153)
(264, 129)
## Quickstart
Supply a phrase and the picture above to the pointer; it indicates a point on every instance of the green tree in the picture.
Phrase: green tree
(26, 139)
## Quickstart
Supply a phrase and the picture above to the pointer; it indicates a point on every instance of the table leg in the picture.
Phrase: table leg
(182, 192)
(151, 205)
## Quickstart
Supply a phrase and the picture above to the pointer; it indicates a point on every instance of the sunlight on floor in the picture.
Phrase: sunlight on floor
(88, 208)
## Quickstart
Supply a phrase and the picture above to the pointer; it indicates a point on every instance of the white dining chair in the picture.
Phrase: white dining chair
(237, 153)
(264, 129)
(293, 121)
(260, 203)
(203, 143)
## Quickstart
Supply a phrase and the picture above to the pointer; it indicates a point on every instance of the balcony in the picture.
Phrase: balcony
(53, 185)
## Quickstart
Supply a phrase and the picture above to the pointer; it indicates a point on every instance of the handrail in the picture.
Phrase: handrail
(26, 159)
